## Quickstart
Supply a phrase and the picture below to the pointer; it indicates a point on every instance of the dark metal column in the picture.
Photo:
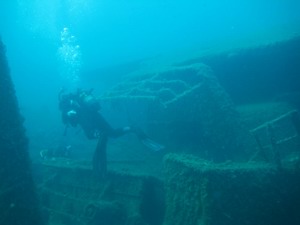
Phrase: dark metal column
(18, 200)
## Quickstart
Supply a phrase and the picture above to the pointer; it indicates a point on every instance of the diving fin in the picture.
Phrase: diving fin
(154, 146)
(149, 143)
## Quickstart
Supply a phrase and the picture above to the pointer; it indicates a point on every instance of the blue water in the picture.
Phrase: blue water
(88, 43)
(54, 44)
(119, 31)
(91, 43)
(111, 38)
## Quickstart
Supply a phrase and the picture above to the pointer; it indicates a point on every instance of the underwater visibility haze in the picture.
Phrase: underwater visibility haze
(207, 93)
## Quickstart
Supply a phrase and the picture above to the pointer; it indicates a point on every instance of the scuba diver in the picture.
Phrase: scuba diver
(82, 108)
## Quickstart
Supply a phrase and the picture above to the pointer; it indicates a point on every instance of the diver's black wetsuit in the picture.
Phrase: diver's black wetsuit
(81, 109)
(95, 126)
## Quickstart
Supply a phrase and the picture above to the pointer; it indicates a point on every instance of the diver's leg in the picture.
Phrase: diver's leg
(115, 133)
(99, 159)
(104, 126)
(143, 138)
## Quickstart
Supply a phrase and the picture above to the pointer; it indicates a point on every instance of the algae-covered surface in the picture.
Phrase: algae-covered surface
(200, 192)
